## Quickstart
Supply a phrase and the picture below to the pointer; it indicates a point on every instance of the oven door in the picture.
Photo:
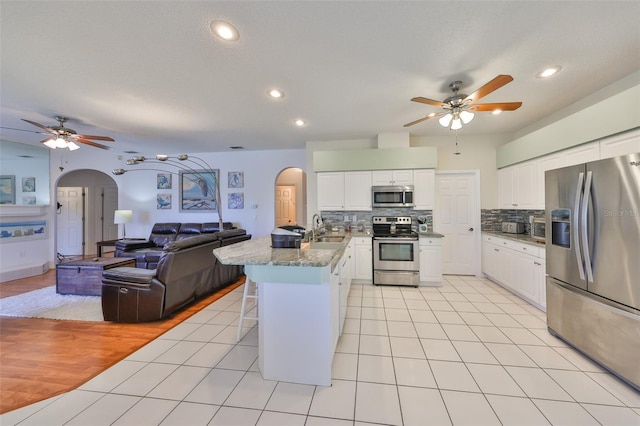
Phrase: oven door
(395, 254)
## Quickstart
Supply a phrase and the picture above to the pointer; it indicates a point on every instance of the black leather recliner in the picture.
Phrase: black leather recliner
(148, 252)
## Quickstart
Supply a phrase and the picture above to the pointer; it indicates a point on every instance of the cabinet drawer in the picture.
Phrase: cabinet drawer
(430, 241)
(361, 241)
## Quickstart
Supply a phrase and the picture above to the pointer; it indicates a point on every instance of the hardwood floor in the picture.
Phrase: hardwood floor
(41, 358)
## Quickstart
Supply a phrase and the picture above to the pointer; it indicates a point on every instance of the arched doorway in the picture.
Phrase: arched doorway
(291, 197)
(85, 201)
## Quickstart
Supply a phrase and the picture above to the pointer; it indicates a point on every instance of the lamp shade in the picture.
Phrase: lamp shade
(123, 216)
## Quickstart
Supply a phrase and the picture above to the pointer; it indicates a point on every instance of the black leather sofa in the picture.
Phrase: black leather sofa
(186, 270)
(148, 252)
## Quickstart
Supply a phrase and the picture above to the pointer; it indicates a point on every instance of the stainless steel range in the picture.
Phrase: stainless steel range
(396, 259)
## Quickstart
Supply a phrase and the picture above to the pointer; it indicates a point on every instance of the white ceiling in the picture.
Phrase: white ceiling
(151, 75)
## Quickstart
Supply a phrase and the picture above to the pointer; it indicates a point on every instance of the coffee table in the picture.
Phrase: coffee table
(84, 276)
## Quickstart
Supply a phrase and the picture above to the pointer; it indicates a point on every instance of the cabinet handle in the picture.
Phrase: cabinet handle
(537, 263)
(495, 249)
(524, 248)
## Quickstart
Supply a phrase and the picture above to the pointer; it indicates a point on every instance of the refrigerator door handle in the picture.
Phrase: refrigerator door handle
(576, 221)
(585, 236)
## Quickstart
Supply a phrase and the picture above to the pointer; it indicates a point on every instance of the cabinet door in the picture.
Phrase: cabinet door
(357, 190)
(382, 177)
(525, 283)
(424, 188)
(548, 162)
(507, 273)
(331, 191)
(524, 189)
(403, 177)
(430, 260)
(364, 261)
(626, 143)
(505, 187)
(490, 259)
(539, 279)
(392, 177)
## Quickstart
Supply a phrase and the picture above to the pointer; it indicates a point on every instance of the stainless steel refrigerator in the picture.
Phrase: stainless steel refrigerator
(593, 261)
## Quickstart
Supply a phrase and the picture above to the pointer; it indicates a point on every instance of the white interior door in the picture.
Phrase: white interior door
(70, 221)
(457, 216)
(285, 205)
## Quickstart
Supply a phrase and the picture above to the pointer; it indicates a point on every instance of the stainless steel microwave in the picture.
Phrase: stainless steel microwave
(538, 226)
(392, 196)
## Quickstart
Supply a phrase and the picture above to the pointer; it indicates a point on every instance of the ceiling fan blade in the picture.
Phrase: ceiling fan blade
(502, 106)
(38, 125)
(491, 86)
(24, 130)
(428, 101)
(420, 120)
(99, 138)
(91, 143)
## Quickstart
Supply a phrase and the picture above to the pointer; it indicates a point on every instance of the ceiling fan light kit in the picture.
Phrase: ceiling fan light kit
(459, 108)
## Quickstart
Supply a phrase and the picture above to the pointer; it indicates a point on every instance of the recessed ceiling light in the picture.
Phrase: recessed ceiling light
(548, 72)
(224, 30)
(275, 93)
(300, 122)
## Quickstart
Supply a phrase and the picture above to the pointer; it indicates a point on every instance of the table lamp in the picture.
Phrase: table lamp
(123, 217)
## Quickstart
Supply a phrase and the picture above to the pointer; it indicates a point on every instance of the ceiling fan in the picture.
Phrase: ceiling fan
(459, 108)
(64, 137)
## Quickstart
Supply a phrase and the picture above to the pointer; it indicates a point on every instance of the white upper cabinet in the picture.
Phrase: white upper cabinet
(392, 177)
(357, 190)
(615, 146)
(424, 187)
(517, 186)
(548, 162)
(331, 191)
(344, 190)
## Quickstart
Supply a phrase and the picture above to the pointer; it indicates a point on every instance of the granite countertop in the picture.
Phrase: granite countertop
(521, 238)
(258, 251)
(431, 234)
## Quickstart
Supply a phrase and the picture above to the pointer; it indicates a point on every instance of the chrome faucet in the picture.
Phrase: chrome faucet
(315, 221)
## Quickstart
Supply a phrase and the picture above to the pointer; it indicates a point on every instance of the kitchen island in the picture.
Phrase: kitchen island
(301, 304)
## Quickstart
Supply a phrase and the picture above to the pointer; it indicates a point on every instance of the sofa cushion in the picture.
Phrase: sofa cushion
(163, 233)
(190, 242)
(188, 230)
(215, 226)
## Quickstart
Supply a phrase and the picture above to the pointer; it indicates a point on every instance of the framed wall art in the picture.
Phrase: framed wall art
(29, 200)
(164, 181)
(163, 201)
(28, 184)
(235, 200)
(198, 190)
(236, 179)
(7, 189)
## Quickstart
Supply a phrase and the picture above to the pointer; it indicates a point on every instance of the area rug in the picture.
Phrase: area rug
(46, 303)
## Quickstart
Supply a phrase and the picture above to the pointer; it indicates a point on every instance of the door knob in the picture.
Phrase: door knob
(470, 229)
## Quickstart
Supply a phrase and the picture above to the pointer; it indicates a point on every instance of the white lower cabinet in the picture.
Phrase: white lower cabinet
(430, 260)
(519, 267)
(363, 264)
(345, 274)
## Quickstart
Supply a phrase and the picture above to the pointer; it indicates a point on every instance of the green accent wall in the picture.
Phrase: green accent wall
(376, 159)
(616, 114)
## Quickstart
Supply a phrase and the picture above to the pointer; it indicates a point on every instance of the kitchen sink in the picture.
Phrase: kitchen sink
(332, 239)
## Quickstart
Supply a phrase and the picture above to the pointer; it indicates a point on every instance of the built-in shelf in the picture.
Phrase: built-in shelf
(13, 210)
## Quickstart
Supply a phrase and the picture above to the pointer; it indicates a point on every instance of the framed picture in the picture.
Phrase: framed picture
(236, 179)
(198, 190)
(163, 201)
(28, 184)
(29, 200)
(164, 181)
(235, 200)
(7, 189)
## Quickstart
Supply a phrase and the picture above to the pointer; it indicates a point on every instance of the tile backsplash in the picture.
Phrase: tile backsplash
(363, 218)
(492, 218)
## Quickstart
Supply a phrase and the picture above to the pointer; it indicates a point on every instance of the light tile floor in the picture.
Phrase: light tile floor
(466, 353)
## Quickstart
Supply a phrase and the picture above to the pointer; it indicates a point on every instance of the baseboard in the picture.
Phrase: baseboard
(23, 271)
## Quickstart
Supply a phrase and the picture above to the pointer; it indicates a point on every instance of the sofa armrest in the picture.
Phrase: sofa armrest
(129, 245)
(129, 276)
